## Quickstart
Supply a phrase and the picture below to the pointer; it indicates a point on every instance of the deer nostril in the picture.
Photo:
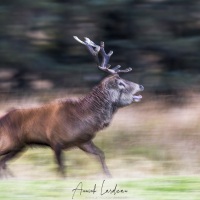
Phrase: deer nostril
(141, 88)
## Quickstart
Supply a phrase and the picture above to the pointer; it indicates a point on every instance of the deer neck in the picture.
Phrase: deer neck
(98, 104)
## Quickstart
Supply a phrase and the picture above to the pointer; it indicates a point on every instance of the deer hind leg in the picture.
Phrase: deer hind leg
(92, 149)
(4, 159)
(8, 150)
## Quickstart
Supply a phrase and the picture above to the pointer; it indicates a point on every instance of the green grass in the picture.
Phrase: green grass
(156, 188)
(140, 142)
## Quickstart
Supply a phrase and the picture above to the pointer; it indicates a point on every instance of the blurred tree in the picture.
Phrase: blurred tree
(158, 38)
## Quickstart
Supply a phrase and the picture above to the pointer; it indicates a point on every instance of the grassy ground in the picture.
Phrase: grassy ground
(153, 138)
(162, 188)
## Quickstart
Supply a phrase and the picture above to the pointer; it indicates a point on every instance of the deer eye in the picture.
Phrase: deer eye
(121, 85)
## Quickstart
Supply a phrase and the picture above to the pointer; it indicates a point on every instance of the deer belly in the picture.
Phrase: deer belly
(85, 137)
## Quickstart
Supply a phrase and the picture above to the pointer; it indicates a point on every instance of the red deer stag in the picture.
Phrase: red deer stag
(69, 123)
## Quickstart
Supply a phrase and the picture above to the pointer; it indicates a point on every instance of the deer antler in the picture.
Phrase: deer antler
(95, 49)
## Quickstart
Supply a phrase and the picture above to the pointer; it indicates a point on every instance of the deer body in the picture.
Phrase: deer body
(66, 123)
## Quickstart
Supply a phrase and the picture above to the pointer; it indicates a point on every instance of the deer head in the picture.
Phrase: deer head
(122, 92)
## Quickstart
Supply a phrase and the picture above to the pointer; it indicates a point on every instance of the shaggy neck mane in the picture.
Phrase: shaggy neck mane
(98, 100)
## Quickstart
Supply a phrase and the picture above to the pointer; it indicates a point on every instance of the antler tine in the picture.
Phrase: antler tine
(90, 44)
(106, 57)
(124, 70)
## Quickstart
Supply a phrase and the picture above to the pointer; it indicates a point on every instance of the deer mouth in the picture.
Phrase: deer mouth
(137, 98)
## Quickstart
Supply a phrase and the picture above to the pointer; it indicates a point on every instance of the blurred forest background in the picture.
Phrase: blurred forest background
(159, 39)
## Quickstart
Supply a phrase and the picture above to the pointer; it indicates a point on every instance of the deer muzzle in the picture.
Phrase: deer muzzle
(138, 98)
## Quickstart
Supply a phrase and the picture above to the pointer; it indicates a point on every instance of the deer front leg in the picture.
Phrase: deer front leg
(89, 147)
(58, 155)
